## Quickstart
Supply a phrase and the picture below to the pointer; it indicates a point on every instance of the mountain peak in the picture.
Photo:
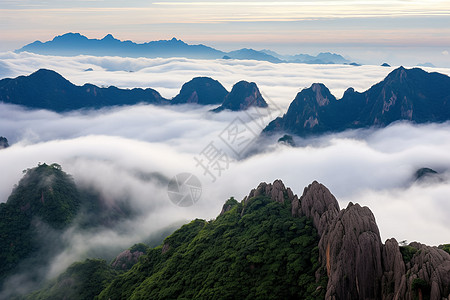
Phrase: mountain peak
(70, 36)
(243, 95)
(404, 94)
(46, 76)
(201, 90)
(109, 37)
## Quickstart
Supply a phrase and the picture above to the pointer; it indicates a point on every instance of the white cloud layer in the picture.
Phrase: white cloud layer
(106, 147)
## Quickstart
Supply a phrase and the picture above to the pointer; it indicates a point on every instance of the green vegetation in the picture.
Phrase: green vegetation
(407, 253)
(255, 250)
(45, 199)
(82, 280)
(421, 289)
(445, 247)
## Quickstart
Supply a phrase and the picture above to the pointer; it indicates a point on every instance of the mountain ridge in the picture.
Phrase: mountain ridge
(47, 89)
(71, 44)
(404, 94)
(281, 245)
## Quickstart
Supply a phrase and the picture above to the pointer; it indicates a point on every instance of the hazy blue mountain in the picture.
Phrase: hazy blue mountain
(49, 90)
(253, 55)
(405, 94)
(242, 96)
(201, 90)
(71, 44)
(321, 58)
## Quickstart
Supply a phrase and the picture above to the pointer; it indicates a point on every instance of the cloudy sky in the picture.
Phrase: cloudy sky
(400, 32)
(108, 147)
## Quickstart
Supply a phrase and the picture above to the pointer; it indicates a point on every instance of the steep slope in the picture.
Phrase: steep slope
(46, 199)
(405, 94)
(275, 245)
(81, 281)
(242, 96)
(33, 221)
(201, 90)
(254, 250)
(358, 265)
(49, 90)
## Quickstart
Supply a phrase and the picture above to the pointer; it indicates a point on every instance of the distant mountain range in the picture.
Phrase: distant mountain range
(405, 94)
(71, 44)
(46, 89)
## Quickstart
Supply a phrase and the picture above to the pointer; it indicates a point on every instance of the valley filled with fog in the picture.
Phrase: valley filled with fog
(119, 150)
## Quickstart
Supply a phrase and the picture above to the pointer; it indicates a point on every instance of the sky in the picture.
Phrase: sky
(106, 148)
(399, 32)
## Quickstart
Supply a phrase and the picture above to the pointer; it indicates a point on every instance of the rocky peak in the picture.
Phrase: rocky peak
(316, 203)
(109, 37)
(276, 191)
(429, 273)
(201, 90)
(350, 249)
(322, 94)
(243, 95)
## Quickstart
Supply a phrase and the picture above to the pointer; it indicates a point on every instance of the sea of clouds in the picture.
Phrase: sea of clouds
(108, 147)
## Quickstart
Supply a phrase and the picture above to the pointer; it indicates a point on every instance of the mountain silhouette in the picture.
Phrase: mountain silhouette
(201, 90)
(47, 89)
(243, 95)
(72, 44)
(405, 94)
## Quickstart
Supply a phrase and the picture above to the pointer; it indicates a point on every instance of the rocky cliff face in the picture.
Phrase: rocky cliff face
(357, 263)
(405, 94)
(242, 96)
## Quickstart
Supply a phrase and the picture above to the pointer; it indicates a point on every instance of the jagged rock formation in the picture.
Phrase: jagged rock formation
(201, 90)
(242, 96)
(358, 265)
(49, 90)
(405, 94)
(276, 191)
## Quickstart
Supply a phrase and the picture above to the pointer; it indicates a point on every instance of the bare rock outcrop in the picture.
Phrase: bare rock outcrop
(351, 253)
(350, 249)
(276, 191)
(393, 282)
(316, 203)
(428, 273)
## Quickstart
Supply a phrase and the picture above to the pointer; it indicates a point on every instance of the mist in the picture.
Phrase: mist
(106, 148)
